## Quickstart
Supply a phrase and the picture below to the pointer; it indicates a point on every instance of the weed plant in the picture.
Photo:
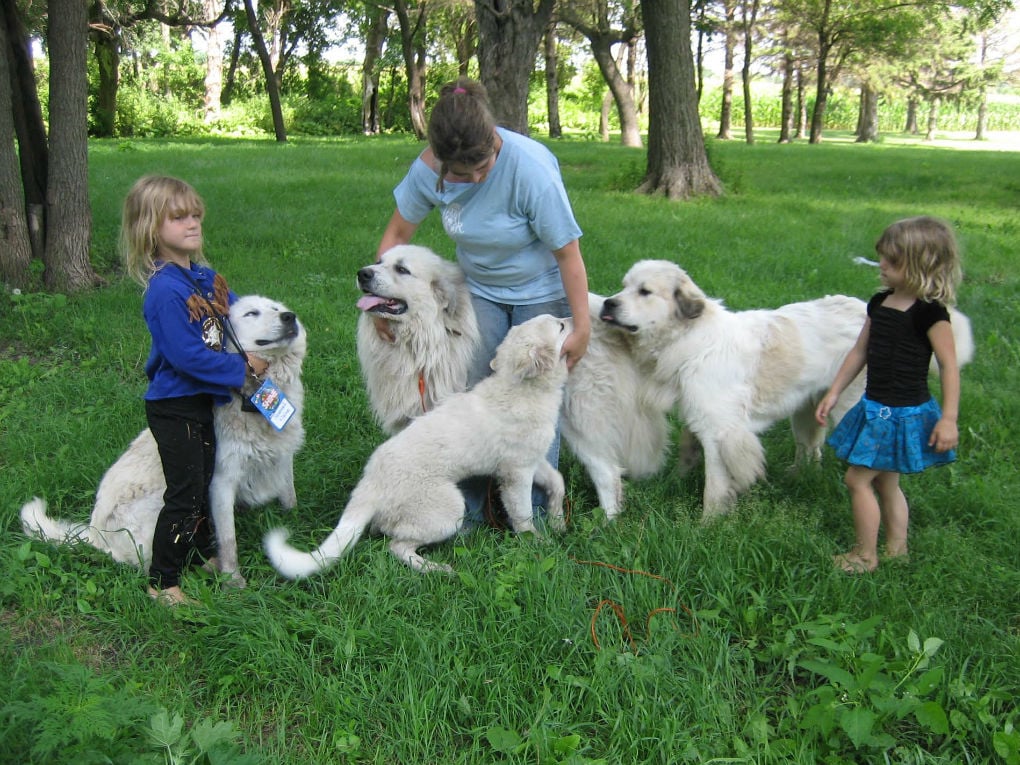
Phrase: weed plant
(654, 640)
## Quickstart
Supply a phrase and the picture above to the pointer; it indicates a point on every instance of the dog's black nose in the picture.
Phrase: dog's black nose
(609, 304)
(365, 275)
(288, 317)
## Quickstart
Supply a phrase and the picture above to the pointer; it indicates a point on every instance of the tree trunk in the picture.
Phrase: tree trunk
(68, 217)
(982, 116)
(868, 124)
(29, 127)
(821, 96)
(801, 103)
(748, 18)
(729, 45)
(374, 41)
(786, 118)
(933, 119)
(412, 45)
(108, 63)
(272, 88)
(911, 123)
(213, 65)
(231, 79)
(552, 82)
(601, 48)
(15, 247)
(677, 163)
(509, 33)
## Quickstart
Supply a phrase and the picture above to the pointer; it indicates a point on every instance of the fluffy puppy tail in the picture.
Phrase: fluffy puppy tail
(36, 523)
(295, 564)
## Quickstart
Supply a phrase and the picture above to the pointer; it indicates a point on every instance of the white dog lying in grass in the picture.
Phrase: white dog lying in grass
(502, 427)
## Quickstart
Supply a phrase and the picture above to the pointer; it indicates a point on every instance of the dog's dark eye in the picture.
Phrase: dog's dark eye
(252, 313)
(563, 326)
(402, 270)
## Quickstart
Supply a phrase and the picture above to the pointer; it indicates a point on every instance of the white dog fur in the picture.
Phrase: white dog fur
(735, 374)
(254, 461)
(502, 427)
(614, 421)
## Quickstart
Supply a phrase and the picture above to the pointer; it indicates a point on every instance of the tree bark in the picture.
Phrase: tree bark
(601, 48)
(213, 65)
(68, 216)
(786, 118)
(374, 41)
(15, 247)
(412, 44)
(748, 18)
(509, 32)
(868, 124)
(677, 162)
(729, 44)
(272, 87)
(552, 81)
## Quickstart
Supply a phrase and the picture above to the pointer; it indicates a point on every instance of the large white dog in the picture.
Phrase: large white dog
(735, 374)
(254, 460)
(614, 419)
(502, 427)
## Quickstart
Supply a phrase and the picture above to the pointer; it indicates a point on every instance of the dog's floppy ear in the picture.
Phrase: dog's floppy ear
(446, 288)
(689, 303)
(534, 360)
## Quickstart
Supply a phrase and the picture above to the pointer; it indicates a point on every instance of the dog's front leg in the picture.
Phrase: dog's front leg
(719, 492)
(550, 479)
(288, 495)
(515, 489)
(221, 498)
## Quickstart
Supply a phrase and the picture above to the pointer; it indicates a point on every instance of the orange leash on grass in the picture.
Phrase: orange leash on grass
(618, 609)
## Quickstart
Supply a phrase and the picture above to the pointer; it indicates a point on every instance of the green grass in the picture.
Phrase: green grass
(655, 640)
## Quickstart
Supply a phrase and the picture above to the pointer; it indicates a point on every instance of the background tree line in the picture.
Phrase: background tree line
(126, 68)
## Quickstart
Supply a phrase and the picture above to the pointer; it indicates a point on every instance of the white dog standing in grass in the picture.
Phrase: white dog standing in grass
(254, 460)
(502, 427)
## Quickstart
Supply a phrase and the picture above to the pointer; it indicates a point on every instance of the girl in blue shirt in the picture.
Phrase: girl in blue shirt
(503, 204)
(189, 370)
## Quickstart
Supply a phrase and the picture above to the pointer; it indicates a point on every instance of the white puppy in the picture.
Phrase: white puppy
(254, 461)
(734, 374)
(502, 427)
(614, 417)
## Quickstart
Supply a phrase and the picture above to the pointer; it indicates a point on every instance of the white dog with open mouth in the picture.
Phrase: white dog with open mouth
(502, 427)
(614, 418)
(736, 373)
(254, 460)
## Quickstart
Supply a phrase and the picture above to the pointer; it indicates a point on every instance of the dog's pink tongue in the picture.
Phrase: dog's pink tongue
(368, 302)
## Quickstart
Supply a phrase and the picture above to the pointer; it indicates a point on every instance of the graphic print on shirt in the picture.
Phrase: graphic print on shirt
(210, 310)
(451, 219)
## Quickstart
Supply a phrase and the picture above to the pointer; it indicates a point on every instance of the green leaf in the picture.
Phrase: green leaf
(566, 745)
(913, 642)
(208, 734)
(932, 645)
(503, 740)
(858, 724)
(164, 731)
(835, 674)
(933, 717)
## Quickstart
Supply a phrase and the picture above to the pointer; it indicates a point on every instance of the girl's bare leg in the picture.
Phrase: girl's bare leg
(863, 556)
(895, 513)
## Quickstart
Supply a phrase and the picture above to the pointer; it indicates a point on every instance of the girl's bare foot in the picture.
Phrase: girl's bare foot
(854, 563)
(171, 596)
(896, 552)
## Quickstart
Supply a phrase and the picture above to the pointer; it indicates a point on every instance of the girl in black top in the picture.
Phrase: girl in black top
(898, 427)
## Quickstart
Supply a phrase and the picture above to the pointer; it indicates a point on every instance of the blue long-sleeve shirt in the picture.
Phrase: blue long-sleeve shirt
(188, 355)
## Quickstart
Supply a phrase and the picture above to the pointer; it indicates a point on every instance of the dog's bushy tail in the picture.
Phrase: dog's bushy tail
(295, 564)
(36, 523)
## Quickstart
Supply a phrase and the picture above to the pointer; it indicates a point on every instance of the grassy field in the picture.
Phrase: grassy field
(654, 640)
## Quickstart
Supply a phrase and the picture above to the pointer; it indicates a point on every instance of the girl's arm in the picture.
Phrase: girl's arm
(851, 367)
(398, 231)
(945, 435)
(575, 284)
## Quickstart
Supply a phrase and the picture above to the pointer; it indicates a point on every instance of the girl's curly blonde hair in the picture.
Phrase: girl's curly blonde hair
(152, 200)
(926, 248)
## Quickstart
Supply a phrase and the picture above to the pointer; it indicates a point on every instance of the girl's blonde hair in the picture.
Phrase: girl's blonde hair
(152, 200)
(926, 248)
(461, 126)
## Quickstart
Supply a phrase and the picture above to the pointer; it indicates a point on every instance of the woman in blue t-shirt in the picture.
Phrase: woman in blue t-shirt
(503, 203)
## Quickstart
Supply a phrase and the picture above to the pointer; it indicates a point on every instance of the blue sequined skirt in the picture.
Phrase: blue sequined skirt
(889, 438)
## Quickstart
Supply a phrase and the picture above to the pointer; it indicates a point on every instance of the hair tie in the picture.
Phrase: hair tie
(459, 89)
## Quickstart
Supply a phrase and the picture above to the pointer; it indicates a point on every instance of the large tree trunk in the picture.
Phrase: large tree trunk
(108, 64)
(374, 41)
(213, 64)
(677, 163)
(933, 119)
(910, 125)
(272, 87)
(15, 247)
(867, 126)
(821, 95)
(748, 18)
(552, 81)
(68, 217)
(729, 44)
(509, 32)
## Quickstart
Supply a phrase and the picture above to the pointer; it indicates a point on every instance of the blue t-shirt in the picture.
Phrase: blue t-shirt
(188, 355)
(506, 227)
